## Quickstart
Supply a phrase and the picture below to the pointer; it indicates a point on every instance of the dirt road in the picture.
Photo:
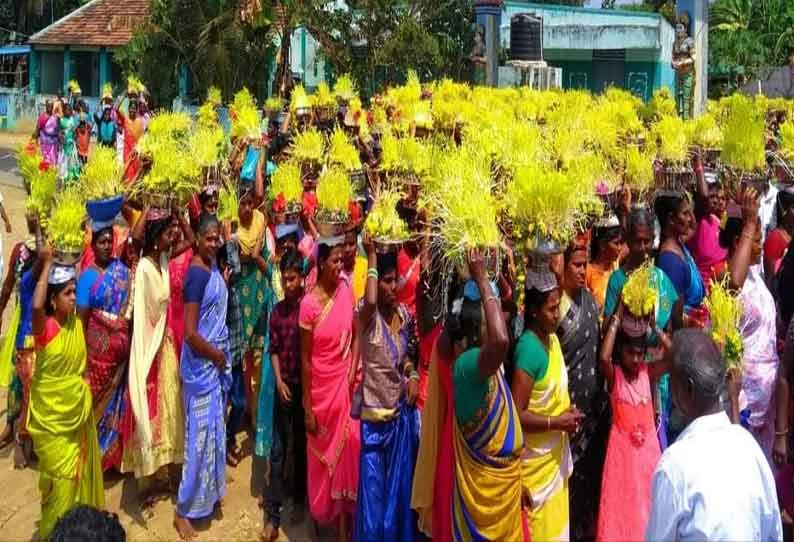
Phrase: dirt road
(241, 519)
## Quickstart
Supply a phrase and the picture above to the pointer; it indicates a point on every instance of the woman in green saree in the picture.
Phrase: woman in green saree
(60, 416)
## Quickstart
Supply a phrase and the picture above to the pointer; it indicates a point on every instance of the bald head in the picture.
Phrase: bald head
(698, 372)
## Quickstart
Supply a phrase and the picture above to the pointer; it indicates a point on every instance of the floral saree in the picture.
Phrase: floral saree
(61, 423)
(107, 331)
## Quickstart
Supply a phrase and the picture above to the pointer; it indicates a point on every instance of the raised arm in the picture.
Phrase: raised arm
(370, 304)
(40, 293)
(494, 351)
(740, 262)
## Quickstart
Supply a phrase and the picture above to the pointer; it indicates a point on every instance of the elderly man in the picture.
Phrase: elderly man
(714, 482)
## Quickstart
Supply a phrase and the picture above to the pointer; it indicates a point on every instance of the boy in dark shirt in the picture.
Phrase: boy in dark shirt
(285, 356)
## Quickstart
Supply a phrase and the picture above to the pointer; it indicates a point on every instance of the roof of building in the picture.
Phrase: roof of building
(99, 23)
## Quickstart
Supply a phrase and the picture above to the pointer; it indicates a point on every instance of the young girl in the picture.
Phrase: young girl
(633, 449)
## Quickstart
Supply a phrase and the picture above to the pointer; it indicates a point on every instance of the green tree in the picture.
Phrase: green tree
(209, 37)
(747, 38)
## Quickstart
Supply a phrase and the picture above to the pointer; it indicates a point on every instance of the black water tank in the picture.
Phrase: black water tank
(526, 37)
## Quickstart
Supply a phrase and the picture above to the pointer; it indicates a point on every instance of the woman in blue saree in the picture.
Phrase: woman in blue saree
(102, 295)
(676, 220)
(206, 378)
(389, 418)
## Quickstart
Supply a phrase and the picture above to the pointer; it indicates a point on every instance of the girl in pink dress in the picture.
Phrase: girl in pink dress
(633, 449)
(333, 438)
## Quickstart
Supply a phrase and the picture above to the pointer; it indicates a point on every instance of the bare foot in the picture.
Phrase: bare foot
(269, 534)
(184, 528)
(20, 457)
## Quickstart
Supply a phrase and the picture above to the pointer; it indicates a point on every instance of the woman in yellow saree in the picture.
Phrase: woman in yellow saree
(60, 416)
(487, 436)
(540, 390)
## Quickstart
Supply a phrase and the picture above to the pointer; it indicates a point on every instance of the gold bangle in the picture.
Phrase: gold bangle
(548, 423)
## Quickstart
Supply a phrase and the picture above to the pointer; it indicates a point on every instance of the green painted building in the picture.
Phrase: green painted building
(597, 48)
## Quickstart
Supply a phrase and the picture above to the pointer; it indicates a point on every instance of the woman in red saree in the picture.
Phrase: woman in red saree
(102, 296)
(333, 437)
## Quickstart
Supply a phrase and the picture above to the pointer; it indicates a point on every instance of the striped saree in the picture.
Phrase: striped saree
(486, 501)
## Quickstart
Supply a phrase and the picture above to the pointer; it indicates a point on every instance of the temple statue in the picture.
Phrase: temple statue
(478, 56)
(684, 66)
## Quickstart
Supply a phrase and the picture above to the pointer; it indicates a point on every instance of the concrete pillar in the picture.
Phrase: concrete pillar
(488, 14)
(67, 69)
(698, 12)
(34, 72)
(104, 68)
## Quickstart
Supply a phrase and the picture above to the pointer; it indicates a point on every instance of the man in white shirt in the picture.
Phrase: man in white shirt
(714, 482)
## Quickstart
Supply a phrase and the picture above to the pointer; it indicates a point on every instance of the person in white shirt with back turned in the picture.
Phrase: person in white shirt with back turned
(714, 482)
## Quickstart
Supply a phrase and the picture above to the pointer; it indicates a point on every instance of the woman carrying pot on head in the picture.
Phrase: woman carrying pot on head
(156, 436)
(333, 439)
(540, 389)
(60, 420)
(18, 347)
(758, 327)
(606, 248)
(675, 216)
(488, 500)
(102, 297)
(254, 291)
(389, 418)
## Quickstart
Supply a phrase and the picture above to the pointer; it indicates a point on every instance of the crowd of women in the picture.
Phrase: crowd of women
(496, 388)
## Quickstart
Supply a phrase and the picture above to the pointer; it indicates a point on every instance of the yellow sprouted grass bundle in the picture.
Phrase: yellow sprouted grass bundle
(299, 99)
(102, 175)
(228, 203)
(787, 140)
(334, 192)
(390, 157)
(244, 115)
(42, 192)
(414, 157)
(342, 152)
(207, 117)
(166, 125)
(28, 159)
(465, 205)
(670, 134)
(545, 201)
(174, 171)
(744, 141)
(286, 183)
(74, 87)
(274, 104)
(661, 105)
(638, 172)
(214, 96)
(308, 146)
(107, 90)
(725, 312)
(323, 97)
(206, 145)
(383, 222)
(345, 88)
(704, 132)
(640, 291)
(65, 226)
(134, 85)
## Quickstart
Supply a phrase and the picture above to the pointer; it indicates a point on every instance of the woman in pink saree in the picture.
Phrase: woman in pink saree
(333, 437)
